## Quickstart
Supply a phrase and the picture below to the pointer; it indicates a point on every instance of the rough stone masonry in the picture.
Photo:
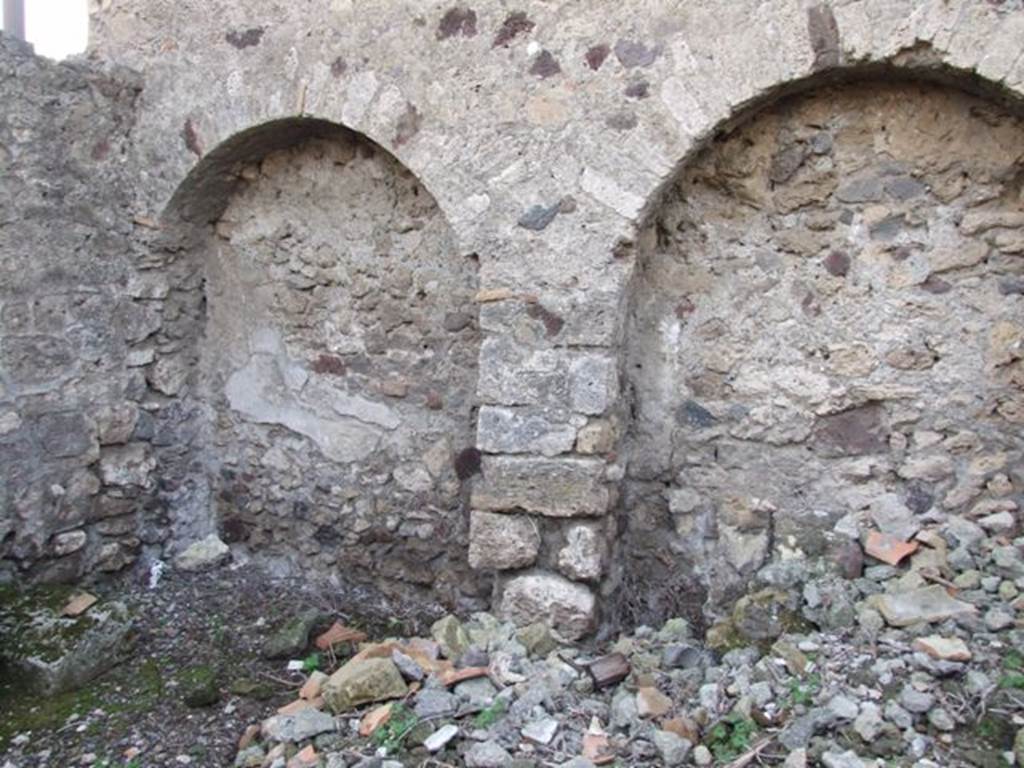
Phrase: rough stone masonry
(586, 314)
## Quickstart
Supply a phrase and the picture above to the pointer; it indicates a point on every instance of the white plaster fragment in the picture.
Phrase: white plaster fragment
(607, 191)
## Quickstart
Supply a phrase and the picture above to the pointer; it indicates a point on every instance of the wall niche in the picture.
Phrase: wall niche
(826, 326)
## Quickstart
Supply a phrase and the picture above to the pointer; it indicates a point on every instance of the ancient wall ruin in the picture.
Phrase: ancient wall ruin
(509, 307)
(75, 476)
(339, 358)
(827, 325)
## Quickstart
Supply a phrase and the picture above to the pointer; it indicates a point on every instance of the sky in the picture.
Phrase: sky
(57, 28)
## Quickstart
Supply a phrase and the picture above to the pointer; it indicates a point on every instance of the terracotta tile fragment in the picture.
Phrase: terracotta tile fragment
(338, 633)
(682, 727)
(250, 735)
(295, 706)
(311, 688)
(597, 750)
(453, 676)
(596, 747)
(943, 648)
(888, 549)
(650, 702)
(79, 604)
(374, 719)
(305, 758)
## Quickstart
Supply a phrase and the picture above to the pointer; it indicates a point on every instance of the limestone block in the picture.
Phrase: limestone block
(127, 465)
(597, 436)
(977, 222)
(502, 541)
(593, 383)
(575, 319)
(744, 550)
(202, 554)
(567, 607)
(67, 434)
(115, 423)
(35, 361)
(958, 256)
(582, 557)
(511, 374)
(567, 487)
(168, 375)
(684, 501)
(68, 542)
(53, 653)
(1005, 343)
(927, 604)
(524, 430)
(414, 478)
(929, 467)
(362, 681)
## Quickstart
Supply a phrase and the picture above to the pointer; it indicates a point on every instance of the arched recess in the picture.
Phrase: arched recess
(826, 334)
(328, 343)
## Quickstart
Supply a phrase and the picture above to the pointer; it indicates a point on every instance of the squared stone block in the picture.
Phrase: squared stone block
(583, 555)
(560, 487)
(525, 430)
(512, 373)
(565, 606)
(593, 383)
(501, 541)
(582, 318)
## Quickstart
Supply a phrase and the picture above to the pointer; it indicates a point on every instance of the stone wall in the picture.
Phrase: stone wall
(549, 139)
(828, 324)
(76, 486)
(339, 357)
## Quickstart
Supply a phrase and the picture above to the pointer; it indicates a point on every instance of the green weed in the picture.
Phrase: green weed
(1012, 680)
(731, 737)
(490, 715)
(803, 693)
(391, 735)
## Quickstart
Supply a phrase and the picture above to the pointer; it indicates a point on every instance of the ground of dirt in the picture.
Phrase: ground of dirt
(214, 622)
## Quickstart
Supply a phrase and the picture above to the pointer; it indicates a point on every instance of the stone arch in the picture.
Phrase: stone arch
(919, 62)
(790, 363)
(326, 357)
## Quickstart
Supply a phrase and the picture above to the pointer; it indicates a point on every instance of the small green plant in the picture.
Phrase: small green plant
(488, 716)
(311, 663)
(1012, 680)
(392, 733)
(803, 693)
(1013, 661)
(731, 737)
(988, 730)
